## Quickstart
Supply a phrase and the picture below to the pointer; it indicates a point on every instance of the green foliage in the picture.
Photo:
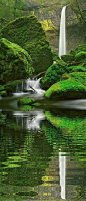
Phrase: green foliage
(28, 33)
(72, 88)
(54, 73)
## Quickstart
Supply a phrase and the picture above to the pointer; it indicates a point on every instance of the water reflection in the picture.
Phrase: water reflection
(43, 154)
(62, 173)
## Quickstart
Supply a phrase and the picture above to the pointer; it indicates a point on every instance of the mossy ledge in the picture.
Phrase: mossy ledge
(28, 33)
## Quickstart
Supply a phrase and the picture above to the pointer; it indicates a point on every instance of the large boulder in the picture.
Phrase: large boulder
(72, 88)
(28, 33)
(15, 62)
(54, 73)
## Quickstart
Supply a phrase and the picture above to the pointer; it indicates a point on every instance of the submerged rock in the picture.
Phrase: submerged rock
(28, 33)
(15, 62)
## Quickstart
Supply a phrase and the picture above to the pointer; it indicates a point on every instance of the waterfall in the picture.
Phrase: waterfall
(62, 37)
(35, 83)
(28, 86)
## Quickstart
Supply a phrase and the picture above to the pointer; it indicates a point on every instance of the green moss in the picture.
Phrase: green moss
(55, 55)
(79, 68)
(28, 33)
(80, 56)
(15, 62)
(25, 101)
(3, 22)
(72, 88)
(27, 104)
(54, 73)
(68, 58)
(80, 48)
(3, 93)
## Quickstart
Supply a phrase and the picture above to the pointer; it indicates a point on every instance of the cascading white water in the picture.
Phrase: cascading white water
(28, 85)
(35, 83)
(62, 36)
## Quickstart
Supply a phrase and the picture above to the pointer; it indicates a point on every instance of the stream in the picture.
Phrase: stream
(42, 150)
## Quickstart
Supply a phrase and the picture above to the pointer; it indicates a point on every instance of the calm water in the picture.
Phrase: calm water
(43, 152)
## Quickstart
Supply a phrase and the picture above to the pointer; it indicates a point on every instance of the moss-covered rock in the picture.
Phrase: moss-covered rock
(25, 101)
(3, 93)
(68, 58)
(78, 68)
(54, 73)
(72, 88)
(80, 48)
(15, 62)
(27, 104)
(81, 56)
(55, 55)
(28, 33)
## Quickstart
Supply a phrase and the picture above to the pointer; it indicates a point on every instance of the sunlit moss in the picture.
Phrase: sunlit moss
(73, 87)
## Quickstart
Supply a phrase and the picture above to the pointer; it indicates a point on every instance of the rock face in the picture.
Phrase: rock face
(28, 33)
(48, 13)
(15, 62)
(75, 22)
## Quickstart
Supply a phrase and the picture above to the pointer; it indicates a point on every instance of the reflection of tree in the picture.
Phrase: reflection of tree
(24, 154)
